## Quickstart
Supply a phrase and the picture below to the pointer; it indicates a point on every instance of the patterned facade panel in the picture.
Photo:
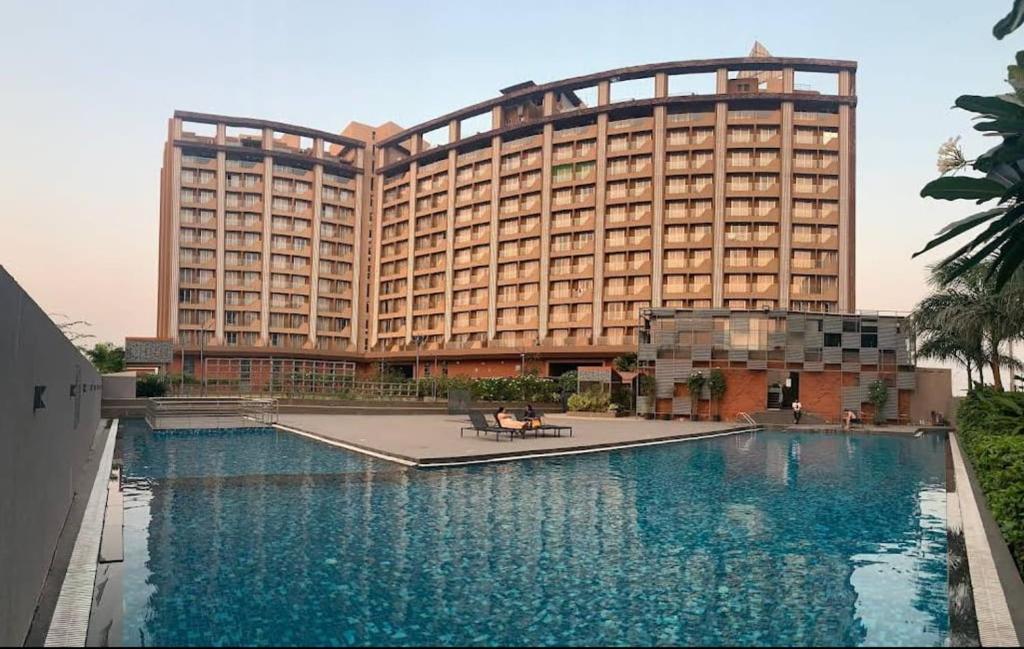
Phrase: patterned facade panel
(794, 354)
(681, 405)
(892, 405)
(851, 366)
(906, 381)
(796, 322)
(646, 352)
(757, 364)
(148, 351)
(702, 352)
(854, 396)
(777, 339)
(814, 338)
(814, 366)
(832, 355)
(851, 340)
(869, 356)
(595, 374)
(832, 324)
(664, 386)
(888, 340)
(666, 338)
(902, 356)
(739, 355)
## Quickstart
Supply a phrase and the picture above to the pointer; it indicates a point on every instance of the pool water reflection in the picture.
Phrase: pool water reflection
(764, 538)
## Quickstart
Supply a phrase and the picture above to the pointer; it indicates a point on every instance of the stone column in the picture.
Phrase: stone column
(718, 230)
(786, 204)
(268, 190)
(601, 199)
(492, 273)
(314, 256)
(449, 239)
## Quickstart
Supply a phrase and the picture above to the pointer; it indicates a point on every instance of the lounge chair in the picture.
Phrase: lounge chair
(478, 424)
(520, 431)
(556, 429)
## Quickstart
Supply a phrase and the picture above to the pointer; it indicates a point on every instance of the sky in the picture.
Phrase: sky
(87, 89)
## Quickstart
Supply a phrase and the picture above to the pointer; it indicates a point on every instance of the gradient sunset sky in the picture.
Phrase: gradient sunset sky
(88, 89)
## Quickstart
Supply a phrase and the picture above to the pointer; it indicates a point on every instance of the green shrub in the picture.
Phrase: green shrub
(695, 385)
(625, 363)
(716, 389)
(591, 401)
(151, 385)
(527, 387)
(569, 382)
(991, 428)
(878, 395)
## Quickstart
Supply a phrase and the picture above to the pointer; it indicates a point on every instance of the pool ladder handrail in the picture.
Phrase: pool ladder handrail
(747, 418)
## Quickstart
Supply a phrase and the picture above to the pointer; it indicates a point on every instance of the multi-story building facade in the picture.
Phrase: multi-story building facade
(536, 224)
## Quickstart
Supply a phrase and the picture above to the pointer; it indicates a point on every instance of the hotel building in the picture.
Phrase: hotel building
(534, 226)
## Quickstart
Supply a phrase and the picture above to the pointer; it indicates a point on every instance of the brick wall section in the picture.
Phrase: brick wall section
(746, 391)
(821, 394)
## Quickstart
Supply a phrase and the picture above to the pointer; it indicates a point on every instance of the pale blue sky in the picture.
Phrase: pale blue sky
(88, 87)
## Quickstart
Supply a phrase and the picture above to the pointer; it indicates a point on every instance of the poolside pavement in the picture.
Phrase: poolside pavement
(434, 440)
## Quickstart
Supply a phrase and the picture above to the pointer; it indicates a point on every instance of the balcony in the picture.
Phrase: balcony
(575, 133)
(691, 290)
(572, 296)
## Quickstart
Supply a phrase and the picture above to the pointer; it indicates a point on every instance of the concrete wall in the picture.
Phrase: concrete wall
(934, 391)
(41, 450)
(119, 386)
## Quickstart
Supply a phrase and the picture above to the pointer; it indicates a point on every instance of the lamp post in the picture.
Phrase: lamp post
(419, 341)
(202, 344)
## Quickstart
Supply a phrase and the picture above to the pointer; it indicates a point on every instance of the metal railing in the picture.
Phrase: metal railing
(209, 412)
(742, 416)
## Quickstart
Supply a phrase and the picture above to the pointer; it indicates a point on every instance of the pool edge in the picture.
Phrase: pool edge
(995, 583)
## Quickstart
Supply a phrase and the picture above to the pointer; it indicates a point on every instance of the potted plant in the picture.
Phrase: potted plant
(716, 389)
(695, 385)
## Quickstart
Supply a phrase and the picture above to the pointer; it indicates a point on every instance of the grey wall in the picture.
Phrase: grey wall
(41, 452)
(119, 386)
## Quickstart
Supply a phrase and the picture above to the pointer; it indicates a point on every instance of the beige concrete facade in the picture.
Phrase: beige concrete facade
(540, 221)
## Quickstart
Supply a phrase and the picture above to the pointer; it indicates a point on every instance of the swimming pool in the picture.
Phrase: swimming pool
(262, 537)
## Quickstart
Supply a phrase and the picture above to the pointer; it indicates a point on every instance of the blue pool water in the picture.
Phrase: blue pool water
(770, 538)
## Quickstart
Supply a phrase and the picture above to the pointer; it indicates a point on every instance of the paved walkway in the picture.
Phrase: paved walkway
(434, 439)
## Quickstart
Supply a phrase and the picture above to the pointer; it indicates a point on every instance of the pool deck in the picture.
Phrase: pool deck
(434, 440)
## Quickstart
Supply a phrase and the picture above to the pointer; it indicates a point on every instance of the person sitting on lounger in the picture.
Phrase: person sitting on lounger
(531, 416)
(507, 420)
(850, 417)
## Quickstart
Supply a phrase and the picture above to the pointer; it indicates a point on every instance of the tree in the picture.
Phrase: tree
(1002, 180)
(695, 385)
(106, 357)
(568, 383)
(625, 363)
(878, 395)
(72, 329)
(1011, 21)
(716, 389)
(969, 320)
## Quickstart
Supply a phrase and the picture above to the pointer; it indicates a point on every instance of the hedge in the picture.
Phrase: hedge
(991, 428)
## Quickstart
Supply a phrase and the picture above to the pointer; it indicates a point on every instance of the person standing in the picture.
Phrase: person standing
(798, 411)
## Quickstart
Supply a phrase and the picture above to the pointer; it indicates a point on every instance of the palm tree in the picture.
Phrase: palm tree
(968, 320)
